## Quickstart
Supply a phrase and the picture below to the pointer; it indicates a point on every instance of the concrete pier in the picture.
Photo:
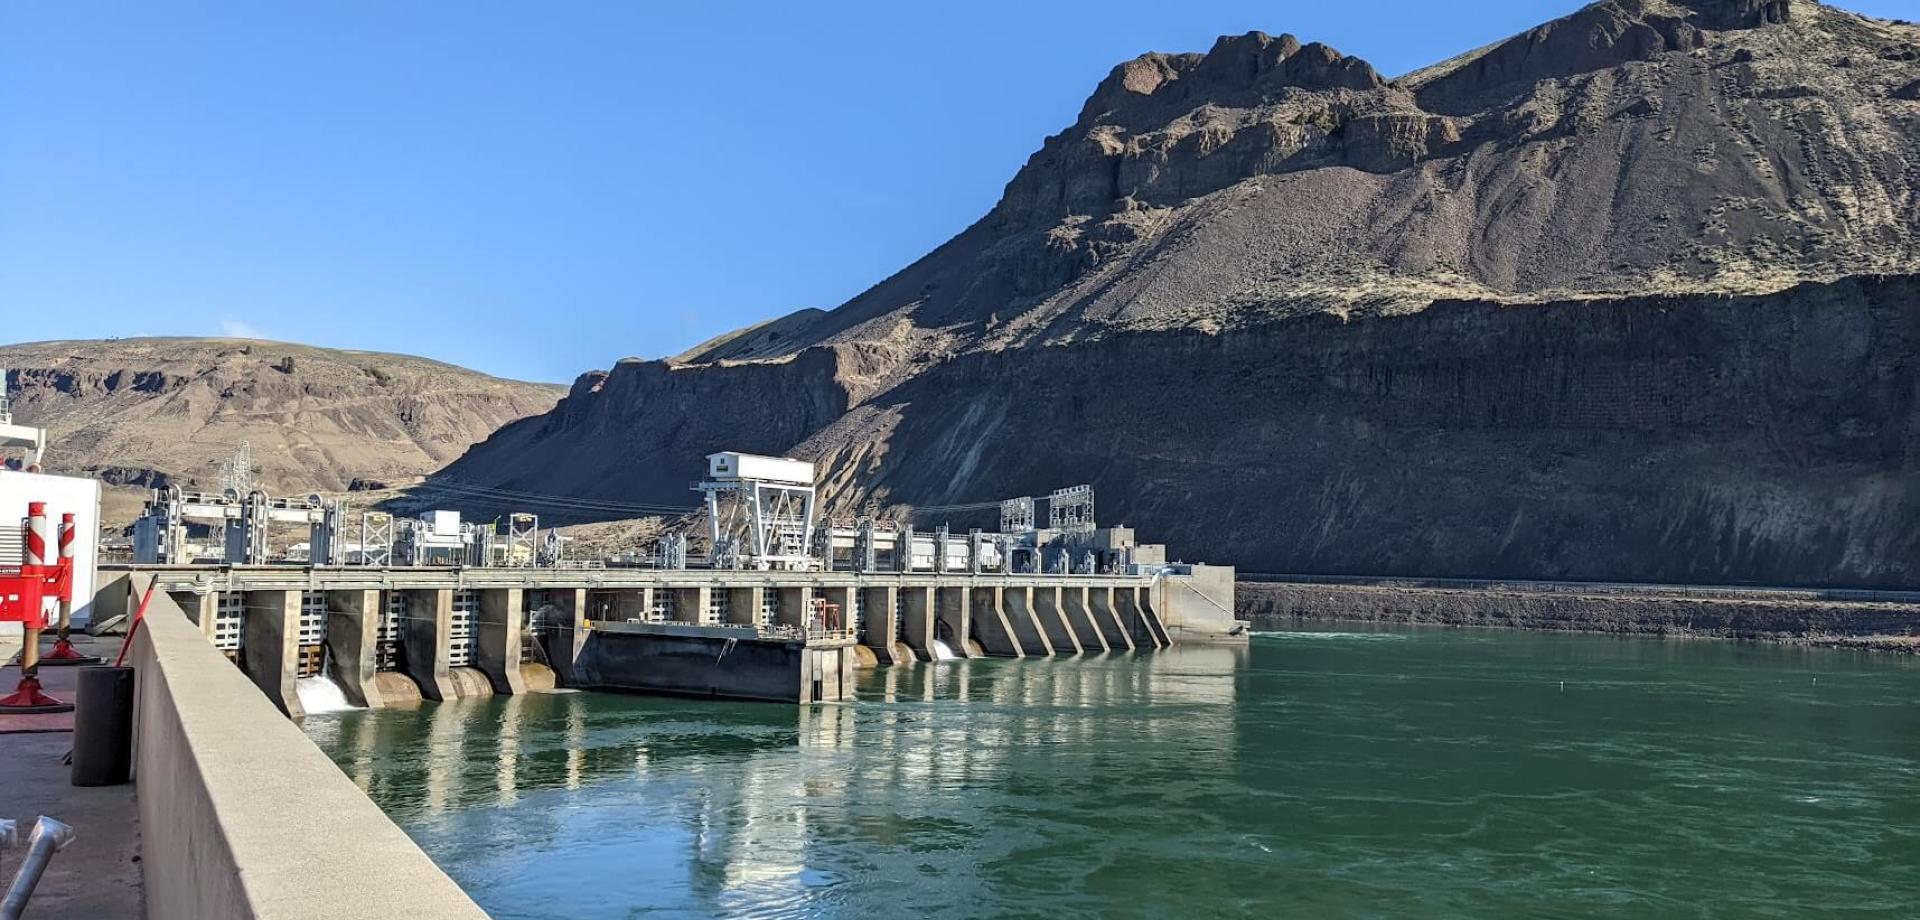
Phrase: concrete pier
(792, 605)
(880, 625)
(1073, 599)
(425, 626)
(691, 604)
(568, 632)
(353, 632)
(991, 631)
(233, 798)
(496, 634)
(1017, 608)
(1044, 601)
(270, 649)
(953, 621)
(1100, 604)
(1137, 611)
(744, 604)
(916, 608)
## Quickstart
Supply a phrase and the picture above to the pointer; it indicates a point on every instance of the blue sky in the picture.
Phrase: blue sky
(535, 190)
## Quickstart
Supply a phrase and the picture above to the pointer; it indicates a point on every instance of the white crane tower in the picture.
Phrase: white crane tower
(759, 511)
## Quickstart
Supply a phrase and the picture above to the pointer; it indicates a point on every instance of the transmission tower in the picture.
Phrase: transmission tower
(236, 473)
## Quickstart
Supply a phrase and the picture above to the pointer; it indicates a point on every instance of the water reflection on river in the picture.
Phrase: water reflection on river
(1330, 774)
(616, 802)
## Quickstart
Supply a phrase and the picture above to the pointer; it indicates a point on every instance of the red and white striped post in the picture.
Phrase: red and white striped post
(36, 544)
(33, 554)
(63, 653)
(27, 697)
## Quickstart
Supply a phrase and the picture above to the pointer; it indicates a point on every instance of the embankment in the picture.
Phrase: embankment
(1797, 617)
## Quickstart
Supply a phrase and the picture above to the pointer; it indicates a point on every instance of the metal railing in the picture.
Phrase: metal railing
(49, 837)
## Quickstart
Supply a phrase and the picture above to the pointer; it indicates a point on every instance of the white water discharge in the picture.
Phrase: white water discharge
(321, 694)
(941, 652)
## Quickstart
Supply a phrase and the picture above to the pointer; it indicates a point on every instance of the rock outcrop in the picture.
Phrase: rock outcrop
(1628, 296)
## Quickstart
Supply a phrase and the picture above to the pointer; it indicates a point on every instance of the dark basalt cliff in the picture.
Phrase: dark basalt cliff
(1628, 296)
(1691, 438)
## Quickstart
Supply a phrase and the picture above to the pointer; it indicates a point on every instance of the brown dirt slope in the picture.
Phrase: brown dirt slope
(156, 410)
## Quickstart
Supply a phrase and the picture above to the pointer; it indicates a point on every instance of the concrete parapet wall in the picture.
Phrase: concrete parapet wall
(218, 768)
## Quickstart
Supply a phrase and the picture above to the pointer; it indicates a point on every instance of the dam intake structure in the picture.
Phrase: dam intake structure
(783, 610)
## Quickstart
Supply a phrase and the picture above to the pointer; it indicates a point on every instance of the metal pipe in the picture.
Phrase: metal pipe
(49, 837)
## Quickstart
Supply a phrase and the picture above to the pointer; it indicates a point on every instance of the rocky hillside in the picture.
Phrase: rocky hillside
(1625, 296)
(150, 411)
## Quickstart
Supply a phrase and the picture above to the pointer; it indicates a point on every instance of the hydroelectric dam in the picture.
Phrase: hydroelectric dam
(784, 608)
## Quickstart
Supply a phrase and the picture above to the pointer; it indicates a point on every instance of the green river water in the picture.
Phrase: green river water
(1391, 773)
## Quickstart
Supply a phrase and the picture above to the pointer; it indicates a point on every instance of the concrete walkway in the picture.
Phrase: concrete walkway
(98, 875)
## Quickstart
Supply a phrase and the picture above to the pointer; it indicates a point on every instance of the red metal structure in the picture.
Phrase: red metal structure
(24, 591)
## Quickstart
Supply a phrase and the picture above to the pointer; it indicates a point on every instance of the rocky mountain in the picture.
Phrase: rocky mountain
(150, 411)
(1630, 295)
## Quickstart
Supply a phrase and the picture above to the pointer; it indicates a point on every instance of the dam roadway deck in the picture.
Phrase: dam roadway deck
(317, 578)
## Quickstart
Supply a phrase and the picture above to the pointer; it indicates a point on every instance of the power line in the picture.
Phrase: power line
(563, 502)
(951, 509)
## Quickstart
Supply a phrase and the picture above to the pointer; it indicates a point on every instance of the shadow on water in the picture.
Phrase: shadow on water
(1352, 772)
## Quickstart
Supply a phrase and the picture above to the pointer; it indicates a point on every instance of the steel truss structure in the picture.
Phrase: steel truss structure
(758, 524)
(1070, 510)
(1016, 515)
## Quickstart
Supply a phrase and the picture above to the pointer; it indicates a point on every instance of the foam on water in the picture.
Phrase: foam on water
(321, 695)
(1324, 636)
(941, 652)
